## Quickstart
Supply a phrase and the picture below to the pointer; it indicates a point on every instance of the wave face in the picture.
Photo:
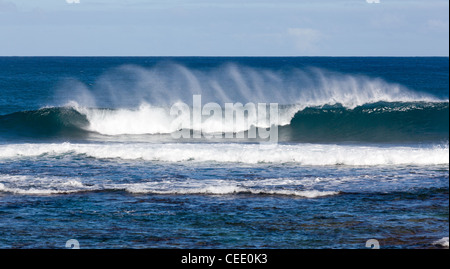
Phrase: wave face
(379, 122)
(315, 105)
(89, 140)
(46, 122)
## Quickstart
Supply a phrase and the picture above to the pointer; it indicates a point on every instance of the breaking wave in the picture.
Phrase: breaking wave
(302, 154)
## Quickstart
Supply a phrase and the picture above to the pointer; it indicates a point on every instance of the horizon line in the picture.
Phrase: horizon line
(234, 56)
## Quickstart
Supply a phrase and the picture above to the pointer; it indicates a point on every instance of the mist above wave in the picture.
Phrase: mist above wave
(139, 98)
(129, 86)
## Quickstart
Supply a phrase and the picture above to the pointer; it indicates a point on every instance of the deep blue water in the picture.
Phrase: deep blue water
(87, 152)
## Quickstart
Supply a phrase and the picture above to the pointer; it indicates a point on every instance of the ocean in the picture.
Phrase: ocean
(224, 152)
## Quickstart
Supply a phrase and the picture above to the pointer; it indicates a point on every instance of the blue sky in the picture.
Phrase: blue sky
(224, 28)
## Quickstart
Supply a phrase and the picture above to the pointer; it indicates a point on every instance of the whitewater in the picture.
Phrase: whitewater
(301, 154)
(89, 151)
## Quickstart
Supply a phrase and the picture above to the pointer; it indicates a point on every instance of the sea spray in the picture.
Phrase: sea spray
(129, 86)
(131, 99)
(362, 162)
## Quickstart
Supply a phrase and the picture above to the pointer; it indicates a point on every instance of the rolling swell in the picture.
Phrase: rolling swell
(375, 122)
(54, 122)
(378, 122)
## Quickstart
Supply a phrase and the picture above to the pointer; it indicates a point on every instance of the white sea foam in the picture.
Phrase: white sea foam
(443, 242)
(221, 190)
(144, 120)
(148, 119)
(29, 185)
(302, 154)
(272, 186)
